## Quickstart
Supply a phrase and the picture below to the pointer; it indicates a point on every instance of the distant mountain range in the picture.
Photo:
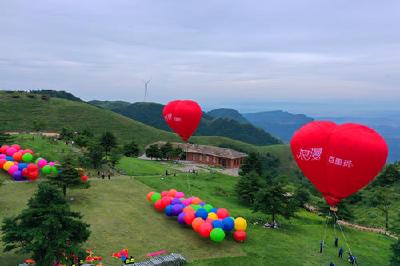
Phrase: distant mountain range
(150, 114)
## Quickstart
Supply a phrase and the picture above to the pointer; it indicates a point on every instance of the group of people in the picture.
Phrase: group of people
(351, 258)
(103, 175)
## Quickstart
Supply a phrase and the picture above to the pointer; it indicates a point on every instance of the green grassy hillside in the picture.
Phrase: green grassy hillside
(22, 113)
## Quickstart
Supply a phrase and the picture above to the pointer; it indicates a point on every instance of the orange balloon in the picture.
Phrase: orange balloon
(196, 200)
(172, 192)
(149, 195)
(17, 156)
(197, 222)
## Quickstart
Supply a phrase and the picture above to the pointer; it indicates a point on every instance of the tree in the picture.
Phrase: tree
(302, 196)
(47, 229)
(153, 151)
(66, 134)
(251, 163)
(95, 155)
(395, 260)
(166, 150)
(274, 200)
(269, 163)
(108, 141)
(382, 199)
(115, 156)
(247, 187)
(6, 139)
(131, 149)
(177, 153)
(388, 176)
(68, 177)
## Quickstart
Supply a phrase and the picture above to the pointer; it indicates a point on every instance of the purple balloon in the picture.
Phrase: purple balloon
(176, 209)
(18, 176)
(176, 201)
(181, 217)
(202, 203)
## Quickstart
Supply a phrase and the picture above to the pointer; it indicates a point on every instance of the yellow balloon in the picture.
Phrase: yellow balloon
(240, 224)
(212, 216)
(7, 165)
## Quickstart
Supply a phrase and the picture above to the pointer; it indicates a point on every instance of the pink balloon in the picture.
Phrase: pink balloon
(13, 169)
(11, 151)
(2, 156)
(52, 163)
(41, 163)
(16, 147)
(179, 195)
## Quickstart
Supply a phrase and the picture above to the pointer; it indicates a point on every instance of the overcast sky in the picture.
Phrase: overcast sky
(252, 55)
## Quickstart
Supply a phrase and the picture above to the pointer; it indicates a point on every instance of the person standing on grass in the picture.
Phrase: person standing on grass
(340, 253)
(321, 246)
(336, 241)
(331, 264)
(109, 176)
(102, 175)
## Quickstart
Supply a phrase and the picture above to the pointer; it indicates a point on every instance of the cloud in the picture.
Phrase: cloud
(207, 50)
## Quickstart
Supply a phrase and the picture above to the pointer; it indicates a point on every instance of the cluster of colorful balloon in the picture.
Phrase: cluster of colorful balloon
(19, 163)
(206, 220)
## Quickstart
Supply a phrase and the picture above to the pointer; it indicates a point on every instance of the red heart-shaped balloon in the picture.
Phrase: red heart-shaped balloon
(338, 159)
(183, 117)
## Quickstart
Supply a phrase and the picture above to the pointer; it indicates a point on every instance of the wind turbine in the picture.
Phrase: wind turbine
(146, 84)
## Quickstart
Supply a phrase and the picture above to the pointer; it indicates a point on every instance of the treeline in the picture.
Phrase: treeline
(99, 152)
(166, 151)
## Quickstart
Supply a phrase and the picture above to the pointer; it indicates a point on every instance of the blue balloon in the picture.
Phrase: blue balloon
(202, 213)
(10, 158)
(21, 166)
(214, 210)
(228, 224)
(168, 210)
(217, 224)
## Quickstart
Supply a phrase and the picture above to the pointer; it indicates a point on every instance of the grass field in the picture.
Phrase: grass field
(138, 167)
(120, 217)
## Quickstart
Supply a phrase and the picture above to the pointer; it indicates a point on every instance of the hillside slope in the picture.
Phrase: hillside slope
(279, 123)
(150, 114)
(21, 112)
(228, 113)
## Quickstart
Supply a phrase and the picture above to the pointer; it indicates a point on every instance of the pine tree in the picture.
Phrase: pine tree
(274, 200)
(47, 229)
(251, 163)
(247, 187)
(166, 150)
(108, 141)
(68, 177)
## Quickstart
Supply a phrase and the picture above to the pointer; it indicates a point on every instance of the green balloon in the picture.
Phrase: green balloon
(27, 157)
(46, 169)
(195, 206)
(156, 196)
(54, 169)
(217, 235)
(208, 207)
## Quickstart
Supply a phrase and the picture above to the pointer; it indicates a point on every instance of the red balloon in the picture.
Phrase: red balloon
(240, 236)
(189, 217)
(2, 162)
(84, 178)
(3, 149)
(205, 230)
(165, 201)
(17, 156)
(183, 117)
(338, 159)
(158, 205)
(222, 213)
